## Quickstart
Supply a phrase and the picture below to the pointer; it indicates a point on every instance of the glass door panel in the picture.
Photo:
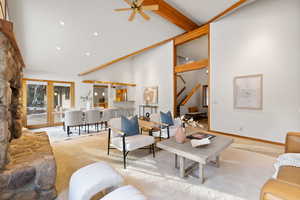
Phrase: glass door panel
(100, 96)
(36, 101)
(45, 101)
(61, 101)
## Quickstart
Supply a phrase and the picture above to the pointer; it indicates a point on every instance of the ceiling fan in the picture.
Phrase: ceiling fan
(137, 7)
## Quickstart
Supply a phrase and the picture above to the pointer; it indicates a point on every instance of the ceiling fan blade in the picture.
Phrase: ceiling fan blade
(151, 7)
(139, 3)
(128, 2)
(123, 9)
(144, 15)
(132, 16)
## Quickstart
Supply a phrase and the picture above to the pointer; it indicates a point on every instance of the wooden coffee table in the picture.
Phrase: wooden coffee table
(200, 155)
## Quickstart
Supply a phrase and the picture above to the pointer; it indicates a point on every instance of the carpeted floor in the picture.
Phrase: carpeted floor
(245, 166)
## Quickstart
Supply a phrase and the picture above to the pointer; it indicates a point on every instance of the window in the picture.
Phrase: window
(44, 101)
(205, 98)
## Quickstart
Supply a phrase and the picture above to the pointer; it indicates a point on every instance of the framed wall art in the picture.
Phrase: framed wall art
(248, 92)
(150, 95)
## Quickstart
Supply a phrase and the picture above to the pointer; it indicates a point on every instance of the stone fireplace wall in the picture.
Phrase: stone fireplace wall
(10, 97)
(27, 164)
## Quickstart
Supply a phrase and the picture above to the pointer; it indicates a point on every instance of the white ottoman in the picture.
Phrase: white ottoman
(92, 179)
(125, 193)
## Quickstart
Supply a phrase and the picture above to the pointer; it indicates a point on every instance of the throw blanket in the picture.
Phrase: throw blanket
(288, 159)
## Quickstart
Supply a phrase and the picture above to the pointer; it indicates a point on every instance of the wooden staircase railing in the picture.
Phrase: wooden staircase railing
(191, 93)
(180, 92)
(181, 78)
(180, 103)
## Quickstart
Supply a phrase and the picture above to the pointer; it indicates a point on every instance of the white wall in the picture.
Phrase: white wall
(152, 68)
(196, 49)
(261, 38)
(155, 68)
(118, 72)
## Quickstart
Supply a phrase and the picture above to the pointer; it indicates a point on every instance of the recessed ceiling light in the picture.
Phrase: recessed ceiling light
(62, 23)
(95, 34)
(58, 48)
(87, 53)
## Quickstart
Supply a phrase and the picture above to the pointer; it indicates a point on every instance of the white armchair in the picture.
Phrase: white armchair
(92, 117)
(87, 181)
(98, 177)
(125, 192)
(118, 140)
(166, 131)
(73, 118)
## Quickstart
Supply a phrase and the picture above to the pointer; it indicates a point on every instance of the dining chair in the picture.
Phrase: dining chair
(106, 116)
(73, 118)
(92, 117)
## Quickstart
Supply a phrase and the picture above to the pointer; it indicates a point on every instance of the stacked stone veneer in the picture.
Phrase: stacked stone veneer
(27, 164)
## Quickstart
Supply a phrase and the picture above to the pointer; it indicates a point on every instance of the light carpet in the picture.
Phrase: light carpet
(57, 134)
(240, 176)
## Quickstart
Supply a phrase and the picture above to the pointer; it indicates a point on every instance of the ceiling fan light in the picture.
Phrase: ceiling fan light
(62, 23)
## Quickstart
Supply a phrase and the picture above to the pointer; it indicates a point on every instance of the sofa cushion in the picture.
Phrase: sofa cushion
(166, 118)
(289, 174)
(132, 142)
(130, 126)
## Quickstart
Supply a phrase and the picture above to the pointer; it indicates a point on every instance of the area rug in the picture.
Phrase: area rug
(57, 134)
(240, 176)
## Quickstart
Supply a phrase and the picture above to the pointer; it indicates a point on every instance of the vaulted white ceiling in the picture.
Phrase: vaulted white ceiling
(60, 35)
(201, 11)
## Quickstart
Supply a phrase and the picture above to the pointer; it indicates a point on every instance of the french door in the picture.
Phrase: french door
(45, 101)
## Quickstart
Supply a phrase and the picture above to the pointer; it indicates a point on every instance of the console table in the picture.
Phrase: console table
(142, 108)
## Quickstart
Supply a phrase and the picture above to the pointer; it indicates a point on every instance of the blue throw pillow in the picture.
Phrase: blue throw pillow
(166, 118)
(130, 126)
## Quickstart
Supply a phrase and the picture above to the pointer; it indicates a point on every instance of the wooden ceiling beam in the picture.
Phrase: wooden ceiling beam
(203, 30)
(192, 66)
(172, 14)
(109, 83)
